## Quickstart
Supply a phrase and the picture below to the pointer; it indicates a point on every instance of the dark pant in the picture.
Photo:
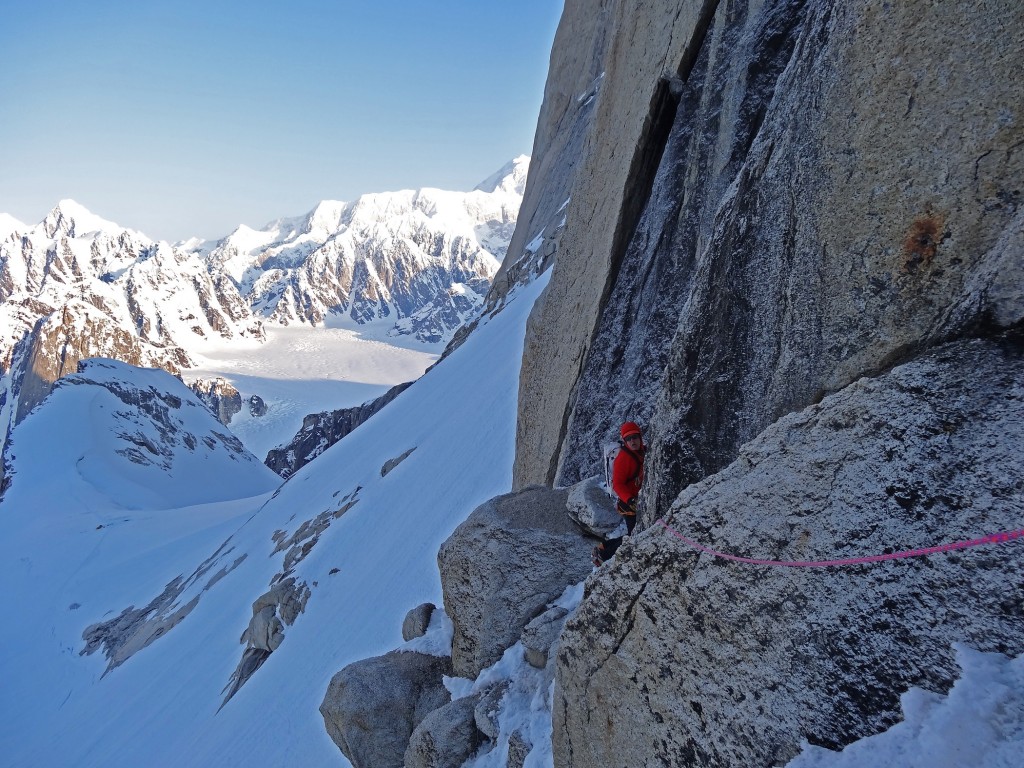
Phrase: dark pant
(611, 546)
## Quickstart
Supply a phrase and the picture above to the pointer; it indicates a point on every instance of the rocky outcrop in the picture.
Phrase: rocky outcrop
(763, 241)
(322, 430)
(133, 629)
(271, 613)
(220, 397)
(77, 332)
(681, 658)
(373, 706)
(390, 464)
(257, 406)
(512, 556)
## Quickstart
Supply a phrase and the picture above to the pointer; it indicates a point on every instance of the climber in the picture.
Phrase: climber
(627, 477)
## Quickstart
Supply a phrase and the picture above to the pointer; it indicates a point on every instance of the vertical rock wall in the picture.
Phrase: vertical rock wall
(648, 41)
(837, 191)
(574, 79)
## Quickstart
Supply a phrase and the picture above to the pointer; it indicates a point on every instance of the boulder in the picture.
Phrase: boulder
(541, 633)
(373, 706)
(591, 506)
(511, 557)
(486, 712)
(446, 738)
(675, 657)
(257, 406)
(416, 621)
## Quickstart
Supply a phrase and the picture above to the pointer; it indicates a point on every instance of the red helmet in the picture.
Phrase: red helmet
(628, 429)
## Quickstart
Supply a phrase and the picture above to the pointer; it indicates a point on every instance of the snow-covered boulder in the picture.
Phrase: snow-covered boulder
(322, 430)
(682, 658)
(372, 706)
(512, 556)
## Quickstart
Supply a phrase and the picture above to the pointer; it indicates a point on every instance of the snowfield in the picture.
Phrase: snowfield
(160, 707)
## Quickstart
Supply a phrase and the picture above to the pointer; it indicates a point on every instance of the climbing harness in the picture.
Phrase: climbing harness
(992, 538)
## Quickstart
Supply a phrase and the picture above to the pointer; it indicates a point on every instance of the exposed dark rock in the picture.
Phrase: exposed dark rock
(322, 430)
(135, 628)
(390, 464)
(518, 749)
(220, 396)
(257, 407)
(271, 613)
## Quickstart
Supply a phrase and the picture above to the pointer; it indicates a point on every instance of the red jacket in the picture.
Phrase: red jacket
(628, 473)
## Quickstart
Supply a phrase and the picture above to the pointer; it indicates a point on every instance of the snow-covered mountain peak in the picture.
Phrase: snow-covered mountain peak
(420, 260)
(511, 178)
(72, 219)
(9, 224)
(326, 217)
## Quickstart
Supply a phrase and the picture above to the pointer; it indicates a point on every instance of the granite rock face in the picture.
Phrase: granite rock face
(373, 706)
(676, 657)
(574, 80)
(512, 556)
(764, 239)
(641, 42)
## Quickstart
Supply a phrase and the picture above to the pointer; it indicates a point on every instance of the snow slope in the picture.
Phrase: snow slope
(160, 707)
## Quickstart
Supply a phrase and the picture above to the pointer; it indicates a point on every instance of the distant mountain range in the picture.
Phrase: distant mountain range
(76, 286)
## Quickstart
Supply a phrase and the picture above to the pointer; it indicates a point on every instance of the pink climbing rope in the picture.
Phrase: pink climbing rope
(992, 538)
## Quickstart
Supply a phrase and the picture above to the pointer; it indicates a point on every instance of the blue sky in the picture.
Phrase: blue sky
(187, 118)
